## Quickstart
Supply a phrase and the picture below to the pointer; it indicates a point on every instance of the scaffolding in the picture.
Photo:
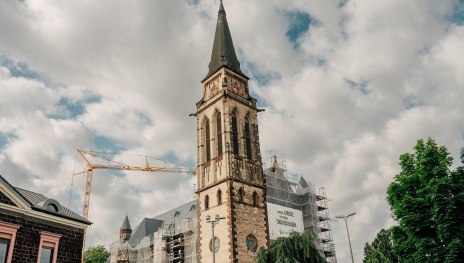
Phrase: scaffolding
(291, 190)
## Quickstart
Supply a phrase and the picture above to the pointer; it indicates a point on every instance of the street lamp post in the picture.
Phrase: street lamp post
(213, 222)
(345, 217)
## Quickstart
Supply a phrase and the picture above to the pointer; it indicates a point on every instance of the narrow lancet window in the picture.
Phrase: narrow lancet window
(234, 134)
(206, 202)
(247, 135)
(208, 137)
(255, 199)
(240, 195)
(219, 134)
(219, 197)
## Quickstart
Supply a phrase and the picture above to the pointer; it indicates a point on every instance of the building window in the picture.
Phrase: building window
(240, 195)
(7, 241)
(208, 138)
(255, 199)
(46, 255)
(247, 135)
(251, 242)
(234, 134)
(206, 202)
(48, 251)
(219, 197)
(219, 134)
(4, 247)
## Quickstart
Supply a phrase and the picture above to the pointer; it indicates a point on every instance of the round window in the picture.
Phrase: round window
(216, 244)
(251, 242)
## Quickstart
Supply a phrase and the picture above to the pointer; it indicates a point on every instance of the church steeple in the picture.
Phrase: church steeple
(230, 179)
(223, 54)
(125, 231)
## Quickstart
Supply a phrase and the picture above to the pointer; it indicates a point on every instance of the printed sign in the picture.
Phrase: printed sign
(283, 220)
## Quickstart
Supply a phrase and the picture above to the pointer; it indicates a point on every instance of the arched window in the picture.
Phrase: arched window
(219, 134)
(219, 197)
(240, 195)
(247, 135)
(234, 134)
(206, 202)
(208, 137)
(255, 199)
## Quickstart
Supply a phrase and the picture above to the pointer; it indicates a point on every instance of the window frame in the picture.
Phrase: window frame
(8, 231)
(49, 240)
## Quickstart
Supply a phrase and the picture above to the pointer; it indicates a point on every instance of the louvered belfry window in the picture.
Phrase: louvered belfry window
(234, 134)
(208, 138)
(246, 131)
(219, 134)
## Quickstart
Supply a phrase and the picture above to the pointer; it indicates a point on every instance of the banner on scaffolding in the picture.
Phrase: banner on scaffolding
(283, 220)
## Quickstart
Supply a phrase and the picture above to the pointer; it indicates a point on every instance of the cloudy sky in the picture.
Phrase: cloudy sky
(347, 86)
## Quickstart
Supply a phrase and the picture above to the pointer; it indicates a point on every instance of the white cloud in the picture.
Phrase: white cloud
(134, 69)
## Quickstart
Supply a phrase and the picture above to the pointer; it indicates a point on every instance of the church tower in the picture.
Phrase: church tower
(125, 231)
(231, 183)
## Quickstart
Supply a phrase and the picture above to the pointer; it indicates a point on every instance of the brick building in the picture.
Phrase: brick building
(34, 228)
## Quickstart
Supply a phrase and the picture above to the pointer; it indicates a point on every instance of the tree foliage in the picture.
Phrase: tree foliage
(380, 250)
(297, 248)
(427, 200)
(97, 254)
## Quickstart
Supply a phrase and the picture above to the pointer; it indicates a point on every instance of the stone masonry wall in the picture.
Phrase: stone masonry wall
(28, 238)
(249, 220)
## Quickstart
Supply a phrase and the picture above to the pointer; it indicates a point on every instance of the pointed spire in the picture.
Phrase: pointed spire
(223, 54)
(126, 225)
(221, 8)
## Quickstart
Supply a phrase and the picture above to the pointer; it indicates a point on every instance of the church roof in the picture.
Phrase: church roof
(223, 54)
(126, 224)
(147, 227)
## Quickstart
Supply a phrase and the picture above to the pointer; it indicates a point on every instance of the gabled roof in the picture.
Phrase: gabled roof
(223, 54)
(37, 199)
(36, 202)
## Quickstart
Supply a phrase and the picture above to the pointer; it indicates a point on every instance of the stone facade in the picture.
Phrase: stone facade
(26, 247)
(229, 167)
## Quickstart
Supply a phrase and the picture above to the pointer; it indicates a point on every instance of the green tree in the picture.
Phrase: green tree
(380, 250)
(427, 200)
(297, 248)
(97, 254)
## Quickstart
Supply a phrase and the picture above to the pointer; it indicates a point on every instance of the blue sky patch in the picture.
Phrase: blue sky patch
(5, 138)
(362, 87)
(71, 109)
(103, 143)
(262, 77)
(20, 69)
(457, 14)
(192, 2)
(411, 102)
(299, 23)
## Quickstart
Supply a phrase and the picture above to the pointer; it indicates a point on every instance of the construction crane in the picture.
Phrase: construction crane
(115, 165)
